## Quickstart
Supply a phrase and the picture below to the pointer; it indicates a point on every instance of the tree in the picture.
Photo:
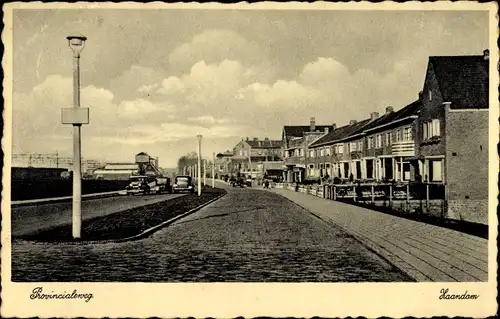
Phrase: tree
(187, 160)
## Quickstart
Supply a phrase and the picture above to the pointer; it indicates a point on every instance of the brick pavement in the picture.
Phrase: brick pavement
(425, 252)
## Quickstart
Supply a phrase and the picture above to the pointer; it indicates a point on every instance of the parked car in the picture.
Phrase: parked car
(140, 185)
(183, 183)
(238, 182)
(248, 182)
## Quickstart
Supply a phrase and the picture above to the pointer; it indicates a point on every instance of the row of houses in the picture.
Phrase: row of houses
(440, 137)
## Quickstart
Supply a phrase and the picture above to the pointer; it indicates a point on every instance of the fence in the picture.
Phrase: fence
(425, 198)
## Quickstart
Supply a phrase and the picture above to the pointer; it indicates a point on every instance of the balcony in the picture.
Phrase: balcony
(403, 148)
(295, 160)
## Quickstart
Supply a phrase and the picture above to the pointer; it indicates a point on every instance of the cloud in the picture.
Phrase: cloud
(207, 120)
(214, 46)
(135, 79)
(171, 85)
(140, 107)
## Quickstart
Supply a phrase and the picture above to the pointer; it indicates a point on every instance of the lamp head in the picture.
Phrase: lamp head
(76, 42)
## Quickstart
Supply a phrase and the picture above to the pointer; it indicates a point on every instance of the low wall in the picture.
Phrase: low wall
(469, 210)
(37, 189)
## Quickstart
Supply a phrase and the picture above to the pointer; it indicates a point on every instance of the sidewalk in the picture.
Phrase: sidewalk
(425, 252)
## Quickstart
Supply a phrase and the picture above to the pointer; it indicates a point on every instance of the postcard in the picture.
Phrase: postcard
(265, 159)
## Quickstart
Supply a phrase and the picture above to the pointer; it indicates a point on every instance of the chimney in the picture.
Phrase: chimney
(351, 122)
(248, 138)
(255, 139)
(486, 54)
(334, 126)
(420, 95)
(389, 109)
(327, 129)
(374, 115)
(312, 124)
(266, 139)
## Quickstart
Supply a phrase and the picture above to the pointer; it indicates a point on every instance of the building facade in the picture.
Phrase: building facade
(453, 132)
(249, 154)
(296, 152)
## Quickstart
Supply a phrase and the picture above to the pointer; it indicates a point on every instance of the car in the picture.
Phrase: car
(248, 182)
(183, 183)
(239, 182)
(140, 185)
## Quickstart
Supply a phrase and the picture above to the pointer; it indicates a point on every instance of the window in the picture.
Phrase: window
(431, 129)
(370, 142)
(360, 145)
(378, 141)
(436, 128)
(407, 134)
(340, 149)
(353, 147)
(430, 95)
(301, 152)
(387, 139)
(436, 171)
(328, 151)
(311, 170)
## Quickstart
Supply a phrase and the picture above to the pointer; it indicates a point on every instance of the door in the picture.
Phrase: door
(388, 168)
(358, 170)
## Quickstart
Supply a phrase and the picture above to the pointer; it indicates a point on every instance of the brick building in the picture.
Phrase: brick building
(296, 141)
(248, 155)
(453, 132)
(223, 163)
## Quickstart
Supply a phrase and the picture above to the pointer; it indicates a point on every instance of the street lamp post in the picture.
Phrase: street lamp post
(76, 116)
(199, 164)
(204, 172)
(213, 170)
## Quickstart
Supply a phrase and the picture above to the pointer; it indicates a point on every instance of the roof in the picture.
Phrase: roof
(462, 80)
(409, 110)
(341, 133)
(298, 130)
(121, 166)
(265, 143)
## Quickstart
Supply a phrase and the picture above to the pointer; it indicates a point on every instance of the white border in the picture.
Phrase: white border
(249, 300)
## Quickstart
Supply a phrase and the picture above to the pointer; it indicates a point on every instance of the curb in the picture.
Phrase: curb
(153, 229)
(371, 246)
(142, 235)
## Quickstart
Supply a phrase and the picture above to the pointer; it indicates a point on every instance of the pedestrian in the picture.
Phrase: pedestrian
(267, 183)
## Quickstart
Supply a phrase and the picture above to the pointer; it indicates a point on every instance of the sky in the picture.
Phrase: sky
(154, 79)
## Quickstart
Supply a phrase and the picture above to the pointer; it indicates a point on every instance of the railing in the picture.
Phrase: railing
(409, 197)
(294, 160)
(403, 148)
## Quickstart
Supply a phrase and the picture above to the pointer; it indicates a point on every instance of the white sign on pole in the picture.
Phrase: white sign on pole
(75, 115)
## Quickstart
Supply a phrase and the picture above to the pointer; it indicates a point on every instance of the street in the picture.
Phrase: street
(247, 236)
(26, 219)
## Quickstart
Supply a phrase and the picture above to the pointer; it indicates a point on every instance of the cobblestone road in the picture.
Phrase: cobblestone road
(248, 235)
